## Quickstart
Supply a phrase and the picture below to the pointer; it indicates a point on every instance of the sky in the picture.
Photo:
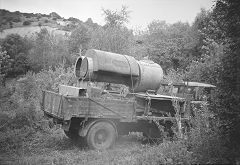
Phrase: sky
(142, 11)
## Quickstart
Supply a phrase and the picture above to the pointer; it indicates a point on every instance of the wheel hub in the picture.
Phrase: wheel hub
(101, 137)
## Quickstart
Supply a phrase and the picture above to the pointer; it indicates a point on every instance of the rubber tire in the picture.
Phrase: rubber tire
(101, 136)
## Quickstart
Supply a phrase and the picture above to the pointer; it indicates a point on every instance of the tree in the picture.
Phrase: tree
(112, 39)
(229, 12)
(39, 56)
(25, 23)
(116, 18)
(79, 38)
(113, 36)
(206, 65)
(48, 50)
(17, 48)
(169, 44)
(5, 65)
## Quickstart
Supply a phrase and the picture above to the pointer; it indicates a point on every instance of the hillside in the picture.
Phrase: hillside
(31, 30)
(26, 24)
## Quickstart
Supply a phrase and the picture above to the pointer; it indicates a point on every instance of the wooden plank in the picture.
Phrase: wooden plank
(52, 103)
(97, 107)
(67, 107)
(72, 91)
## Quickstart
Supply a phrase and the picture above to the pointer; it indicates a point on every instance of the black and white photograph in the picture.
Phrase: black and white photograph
(119, 82)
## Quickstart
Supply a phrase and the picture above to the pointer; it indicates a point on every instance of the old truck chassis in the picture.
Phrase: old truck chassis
(99, 121)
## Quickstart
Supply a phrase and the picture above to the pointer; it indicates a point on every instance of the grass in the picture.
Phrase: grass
(27, 145)
(28, 140)
(54, 147)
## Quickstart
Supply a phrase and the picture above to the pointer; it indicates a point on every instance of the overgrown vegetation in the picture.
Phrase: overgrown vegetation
(207, 51)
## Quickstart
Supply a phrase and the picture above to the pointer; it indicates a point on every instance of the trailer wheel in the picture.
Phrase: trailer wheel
(101, 135)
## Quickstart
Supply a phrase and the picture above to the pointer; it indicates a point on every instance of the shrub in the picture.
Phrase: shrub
(39, 16)
(203, 144)
(25, 101)
(205, 139)
(25, 23)
(167, 153)
(51, 78)
(21, 111)
(16, 19)
(12, 141)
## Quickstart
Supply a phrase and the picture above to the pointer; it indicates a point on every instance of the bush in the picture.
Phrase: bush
(167, 153)
(25, 101)
(16, 19)
(25, 23)
(21, 112)
(203, 144)
(39, 16)
(205, 139)
(12, 141)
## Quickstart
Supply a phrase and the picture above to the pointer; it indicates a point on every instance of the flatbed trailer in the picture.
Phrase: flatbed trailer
(99, 121)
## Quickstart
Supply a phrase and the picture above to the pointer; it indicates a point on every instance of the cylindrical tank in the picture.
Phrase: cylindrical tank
(150, 76)
(109, 67)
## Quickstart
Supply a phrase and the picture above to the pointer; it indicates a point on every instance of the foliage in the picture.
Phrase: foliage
(49, 50)
(205, 139)
(208, 68)
(74, 20)
(229, 12)
(17, 48)
(112, 39)
(50, 79)
(5, 65)
(116, 18)
(25, 23)
(55, 15)
(169, 45)
(174, 76)
(167, 153)
(22, 108)
(203, 144)
(7, 17)
(79, 38)
(15, 44)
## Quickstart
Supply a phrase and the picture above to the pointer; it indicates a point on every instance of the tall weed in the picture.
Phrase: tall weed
(203, 144)
(22, 107)
(205, 139)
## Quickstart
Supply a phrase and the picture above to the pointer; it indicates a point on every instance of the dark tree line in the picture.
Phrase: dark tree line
(228, 12)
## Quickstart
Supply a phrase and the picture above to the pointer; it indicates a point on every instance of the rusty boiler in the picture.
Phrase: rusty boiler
(103, 66)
